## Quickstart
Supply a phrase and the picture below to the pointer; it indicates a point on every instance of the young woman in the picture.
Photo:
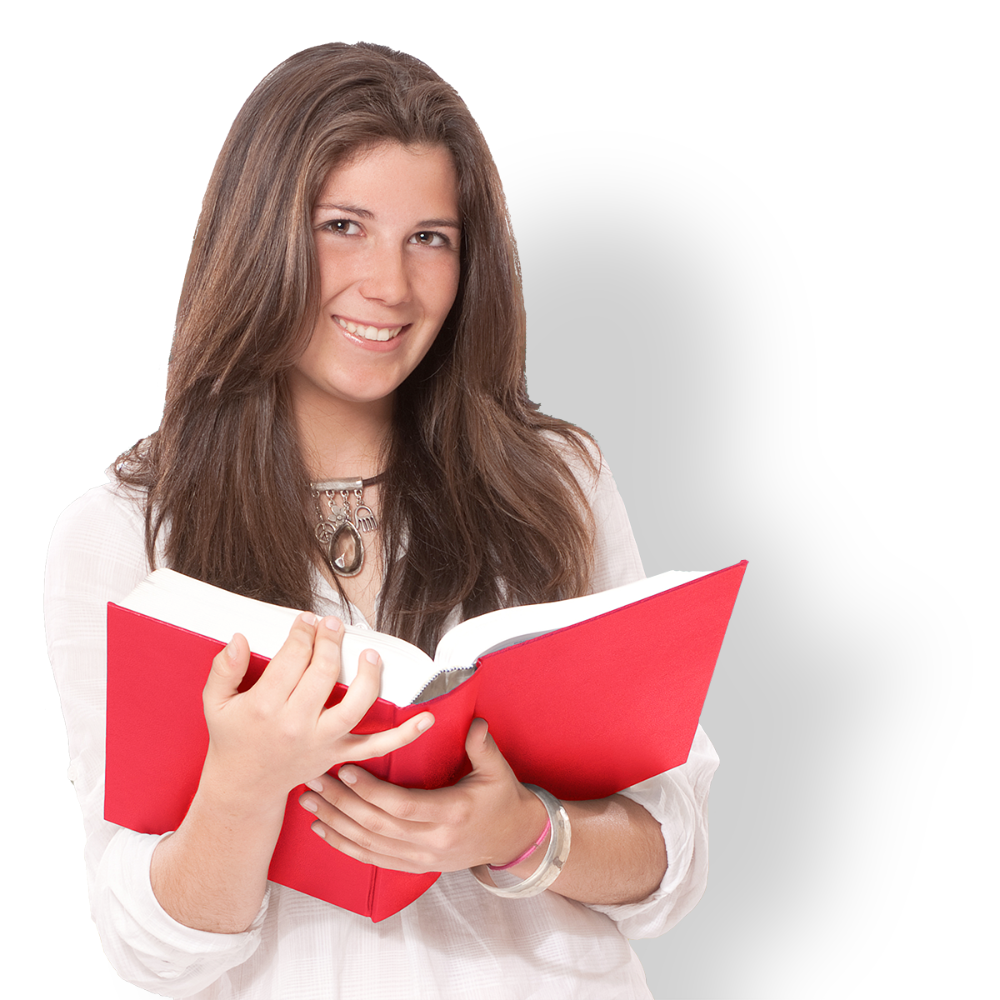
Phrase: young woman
(347, 430)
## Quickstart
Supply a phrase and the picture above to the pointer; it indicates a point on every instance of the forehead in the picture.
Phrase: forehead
(391, 174)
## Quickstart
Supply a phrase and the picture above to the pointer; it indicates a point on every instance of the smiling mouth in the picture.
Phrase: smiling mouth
(368, 332)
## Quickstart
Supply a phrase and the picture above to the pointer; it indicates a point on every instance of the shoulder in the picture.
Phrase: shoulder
(583, 458)
(106, 509)
(590, 469)
(100, 537)
(616, 557)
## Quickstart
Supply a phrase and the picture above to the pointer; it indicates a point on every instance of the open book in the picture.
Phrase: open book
(584, 697)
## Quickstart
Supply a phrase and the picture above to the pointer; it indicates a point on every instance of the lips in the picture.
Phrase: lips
(368, 332)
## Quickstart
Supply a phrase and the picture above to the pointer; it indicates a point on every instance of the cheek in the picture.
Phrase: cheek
(331, 277)
(335, 268)
(446, 289)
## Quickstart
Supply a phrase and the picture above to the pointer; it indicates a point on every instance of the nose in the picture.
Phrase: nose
(387, 280)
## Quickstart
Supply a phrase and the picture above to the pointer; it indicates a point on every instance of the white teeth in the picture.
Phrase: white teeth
(368, 332)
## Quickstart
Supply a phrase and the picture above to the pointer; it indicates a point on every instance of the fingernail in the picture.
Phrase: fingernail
(317, 828)
(308, 617)
(371, 656)
(230, 649)
(333, 624)
(347, 776)
(308, 804)
(316, 785)
(425, 723)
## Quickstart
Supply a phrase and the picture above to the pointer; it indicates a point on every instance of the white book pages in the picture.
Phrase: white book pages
(407, 671)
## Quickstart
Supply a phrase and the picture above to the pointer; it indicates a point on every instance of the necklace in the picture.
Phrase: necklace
(339, 531)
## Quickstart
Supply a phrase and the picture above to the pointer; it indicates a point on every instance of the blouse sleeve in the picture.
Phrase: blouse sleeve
(676, 799)
(97, 555)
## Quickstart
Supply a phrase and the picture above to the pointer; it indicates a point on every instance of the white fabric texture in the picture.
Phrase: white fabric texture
(455, 941)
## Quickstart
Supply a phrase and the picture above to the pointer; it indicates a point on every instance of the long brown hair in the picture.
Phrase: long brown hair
(479, 507)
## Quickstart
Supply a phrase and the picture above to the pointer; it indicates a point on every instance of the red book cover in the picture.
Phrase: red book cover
(583, 711)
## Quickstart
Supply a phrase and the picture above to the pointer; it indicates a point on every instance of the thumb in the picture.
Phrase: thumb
(481, 748)
(228, 668)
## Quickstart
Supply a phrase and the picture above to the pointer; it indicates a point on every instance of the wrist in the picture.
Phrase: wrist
(526, 868)
(525, 855)
(227, 790)
(211, 873)
(535, 831)
(551, 864)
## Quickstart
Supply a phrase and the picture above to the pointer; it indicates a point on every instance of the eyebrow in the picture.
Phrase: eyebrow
(364, 213)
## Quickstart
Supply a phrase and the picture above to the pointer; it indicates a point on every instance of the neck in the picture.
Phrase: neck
(341, 439)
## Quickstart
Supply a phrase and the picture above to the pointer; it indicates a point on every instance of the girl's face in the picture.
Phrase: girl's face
(387, 233)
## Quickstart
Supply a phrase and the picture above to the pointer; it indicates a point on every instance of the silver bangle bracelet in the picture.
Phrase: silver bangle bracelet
(555, 855)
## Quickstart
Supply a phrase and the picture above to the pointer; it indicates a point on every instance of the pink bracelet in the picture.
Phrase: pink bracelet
(527, 854)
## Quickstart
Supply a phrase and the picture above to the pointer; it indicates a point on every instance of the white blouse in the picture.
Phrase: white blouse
(455, 941)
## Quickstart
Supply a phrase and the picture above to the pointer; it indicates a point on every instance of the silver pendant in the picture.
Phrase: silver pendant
(347, 551)
(339, 534)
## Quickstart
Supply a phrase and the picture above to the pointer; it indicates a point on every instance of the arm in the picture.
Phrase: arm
(97, 554)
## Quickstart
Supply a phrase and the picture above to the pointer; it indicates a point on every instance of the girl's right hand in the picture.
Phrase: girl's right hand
(279, 734)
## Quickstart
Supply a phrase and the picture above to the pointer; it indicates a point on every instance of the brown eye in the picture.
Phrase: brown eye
(343, 227)
(428, 238)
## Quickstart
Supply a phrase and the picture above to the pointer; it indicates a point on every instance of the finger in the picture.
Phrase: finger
(228, 668)
(368, 856)
(362, 692)
(361, 695)
(360, 793)
(323, 671)
(374, 838)
(288, 665)
(379, 744)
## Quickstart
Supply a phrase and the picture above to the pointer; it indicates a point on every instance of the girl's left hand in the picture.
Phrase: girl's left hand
(488, 817)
